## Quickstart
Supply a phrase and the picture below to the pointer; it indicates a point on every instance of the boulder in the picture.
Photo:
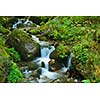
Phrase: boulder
(88, 71)
(30, 64)
(23, 43)
(60, 54)
(55, 65)
(36, 73)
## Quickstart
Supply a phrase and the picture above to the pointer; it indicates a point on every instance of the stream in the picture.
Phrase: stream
(45, 76)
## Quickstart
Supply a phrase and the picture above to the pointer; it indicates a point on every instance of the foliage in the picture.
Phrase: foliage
(3, 30)
(82, 35)
(86, 81)
(2, 41)
(15, 75)
(81, 52)
(62, 51)
(14, 54)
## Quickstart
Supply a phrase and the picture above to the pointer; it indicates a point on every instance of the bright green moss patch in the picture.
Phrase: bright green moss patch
(15, 75)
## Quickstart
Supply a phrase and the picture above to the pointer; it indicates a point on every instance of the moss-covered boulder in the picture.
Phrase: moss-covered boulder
(87, 60)
(4, 64)
(23, 43)
(60, 53)
(59, 57)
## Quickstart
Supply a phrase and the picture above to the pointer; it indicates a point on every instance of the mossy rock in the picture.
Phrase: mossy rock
(43, 38)
(40, 19)
(60, 53)
(23, 43)
(88, 71)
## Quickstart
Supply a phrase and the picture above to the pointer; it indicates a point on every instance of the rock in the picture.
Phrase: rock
(40, 19)
(54, 65)
(43, 38)
(23, 43)
(75, 74)
(84, 72)
(63, 79)
(36, 73)
(4, 64)
(60, 50)
(60, 54)
(35, 19)
(31, 65)
(42, 64)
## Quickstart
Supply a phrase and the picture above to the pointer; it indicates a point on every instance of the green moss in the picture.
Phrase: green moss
(63, 51)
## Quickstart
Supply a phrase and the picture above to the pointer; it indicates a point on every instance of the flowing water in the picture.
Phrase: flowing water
(46, 50)
(26, 23)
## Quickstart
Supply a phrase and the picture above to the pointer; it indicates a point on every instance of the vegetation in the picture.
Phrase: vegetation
(82, 35)
(15, 75)
(79, 35)
(14, 54)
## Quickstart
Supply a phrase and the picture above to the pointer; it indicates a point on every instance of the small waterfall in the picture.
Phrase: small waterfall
(20, 21)
(69, 64)
(46, 75)
(45, 52)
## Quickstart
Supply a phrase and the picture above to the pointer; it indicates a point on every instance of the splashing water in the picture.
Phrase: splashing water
(45, 53)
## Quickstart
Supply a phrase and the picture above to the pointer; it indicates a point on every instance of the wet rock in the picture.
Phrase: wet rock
(54, 65)
(75, 74)
(42, 64)
(23, 43)
(31, 65)
(63, 79)
(36, 73)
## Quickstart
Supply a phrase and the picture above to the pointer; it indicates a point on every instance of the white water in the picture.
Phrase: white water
(26, 72)
(69, 61)
(26, 23)
(45, 53)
